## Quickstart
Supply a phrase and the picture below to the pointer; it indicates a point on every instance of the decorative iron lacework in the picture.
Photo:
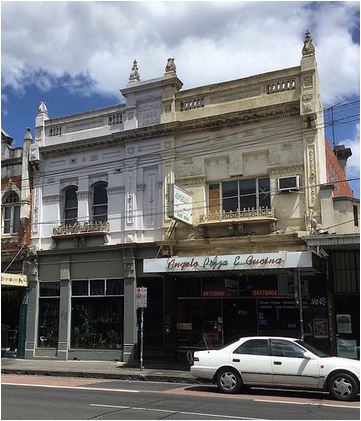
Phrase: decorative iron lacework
(82, 227)
(229, 216)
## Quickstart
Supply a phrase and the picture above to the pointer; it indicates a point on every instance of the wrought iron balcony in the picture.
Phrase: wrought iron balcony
(88, 227)
(239, 216)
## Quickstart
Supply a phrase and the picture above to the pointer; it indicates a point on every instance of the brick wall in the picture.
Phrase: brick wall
(335, 173)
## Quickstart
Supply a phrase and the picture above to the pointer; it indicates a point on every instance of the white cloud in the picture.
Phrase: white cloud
(210, 41)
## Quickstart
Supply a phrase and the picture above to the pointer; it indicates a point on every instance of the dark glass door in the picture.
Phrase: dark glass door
(239, 318)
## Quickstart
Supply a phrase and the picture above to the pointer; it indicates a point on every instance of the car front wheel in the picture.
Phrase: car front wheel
(343, 387)
(228, 380)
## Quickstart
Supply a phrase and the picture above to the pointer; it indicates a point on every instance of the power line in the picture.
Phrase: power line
(155, 157)
(143, 212)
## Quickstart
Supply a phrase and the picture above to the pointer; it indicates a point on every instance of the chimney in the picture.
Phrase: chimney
(342, 154)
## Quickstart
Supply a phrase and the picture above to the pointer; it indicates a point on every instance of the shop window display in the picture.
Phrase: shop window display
(49, 299)
(212, 311)
(97, 314)
(10, 307)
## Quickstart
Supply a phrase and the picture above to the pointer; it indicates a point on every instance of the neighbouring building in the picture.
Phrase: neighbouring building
(15, 239)
(340, 245)
(209, 197)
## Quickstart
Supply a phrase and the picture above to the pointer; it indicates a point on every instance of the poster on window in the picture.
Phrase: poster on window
(343, 323)
(346, 348)
(320, 328)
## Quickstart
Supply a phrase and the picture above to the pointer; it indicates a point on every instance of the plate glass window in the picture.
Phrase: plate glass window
(48, 328)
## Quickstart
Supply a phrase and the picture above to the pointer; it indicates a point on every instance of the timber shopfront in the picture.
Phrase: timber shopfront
(221, 298)
(82, 305)
(13, 314)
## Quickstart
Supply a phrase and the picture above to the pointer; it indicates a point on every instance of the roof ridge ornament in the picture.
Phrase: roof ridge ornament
(308, 48)
(170, 66)
(42, 108)
(134, 74)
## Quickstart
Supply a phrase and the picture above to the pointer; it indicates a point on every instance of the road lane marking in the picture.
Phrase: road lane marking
(99, 389)
(184, 391)
(306, 403)
(173, 412)
(257, 398)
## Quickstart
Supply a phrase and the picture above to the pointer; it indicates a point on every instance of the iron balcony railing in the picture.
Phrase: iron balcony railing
(239, 215)
(82, 228)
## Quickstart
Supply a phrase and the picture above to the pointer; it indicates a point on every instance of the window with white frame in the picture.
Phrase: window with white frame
(100, 201)
(11, 213)
(239, 195)
(70, 205)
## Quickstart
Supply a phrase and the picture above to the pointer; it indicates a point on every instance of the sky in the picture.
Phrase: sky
(76, 56)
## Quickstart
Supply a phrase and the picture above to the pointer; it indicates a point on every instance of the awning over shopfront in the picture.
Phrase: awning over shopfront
(280, 260)
(15, 280)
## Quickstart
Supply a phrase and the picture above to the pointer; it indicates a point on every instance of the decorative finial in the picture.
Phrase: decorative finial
(42, 108)
(28, 134)
(308, 48)
(170, 67)
(134, 74)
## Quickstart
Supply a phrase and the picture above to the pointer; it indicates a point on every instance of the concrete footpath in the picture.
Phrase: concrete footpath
(98, 369)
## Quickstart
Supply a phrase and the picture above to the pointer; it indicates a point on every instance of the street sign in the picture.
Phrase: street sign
(141, 297)
(179, 204)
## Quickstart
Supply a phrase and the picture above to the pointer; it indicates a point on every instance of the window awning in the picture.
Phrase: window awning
(14, 279)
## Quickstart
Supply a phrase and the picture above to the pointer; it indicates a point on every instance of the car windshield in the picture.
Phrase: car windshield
(314, 350)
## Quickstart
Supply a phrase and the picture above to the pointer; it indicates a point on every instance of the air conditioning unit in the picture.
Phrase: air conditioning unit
(289, 183)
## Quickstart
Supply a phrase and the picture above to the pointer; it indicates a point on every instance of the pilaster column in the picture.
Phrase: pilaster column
(32, 316)
(130, 312)
(64, 311)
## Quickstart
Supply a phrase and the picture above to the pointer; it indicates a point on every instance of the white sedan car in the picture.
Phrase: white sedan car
(277, 361)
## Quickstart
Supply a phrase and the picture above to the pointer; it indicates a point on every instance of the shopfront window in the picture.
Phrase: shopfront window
(97, 313)
(281, 317)
(221, 309)
(10, 310)
(49, 299)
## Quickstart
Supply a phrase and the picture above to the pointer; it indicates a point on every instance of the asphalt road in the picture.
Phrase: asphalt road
(41, 397)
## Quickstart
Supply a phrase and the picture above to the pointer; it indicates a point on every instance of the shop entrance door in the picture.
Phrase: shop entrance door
(239, 318)
(10, 311)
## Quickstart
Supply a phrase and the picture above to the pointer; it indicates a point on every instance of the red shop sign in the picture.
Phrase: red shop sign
(213, 293)
(264, 292)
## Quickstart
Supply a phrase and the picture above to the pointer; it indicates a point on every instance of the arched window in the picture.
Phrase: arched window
(11, 213)
(100, 201)
(70, 205)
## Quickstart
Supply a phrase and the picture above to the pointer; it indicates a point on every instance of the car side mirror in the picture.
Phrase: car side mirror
(307, 355)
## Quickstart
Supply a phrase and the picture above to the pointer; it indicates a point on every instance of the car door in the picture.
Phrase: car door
(290, 367)
(253, 360)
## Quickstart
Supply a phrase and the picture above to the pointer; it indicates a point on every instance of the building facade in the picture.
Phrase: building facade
(15, 241)
(205, 196)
